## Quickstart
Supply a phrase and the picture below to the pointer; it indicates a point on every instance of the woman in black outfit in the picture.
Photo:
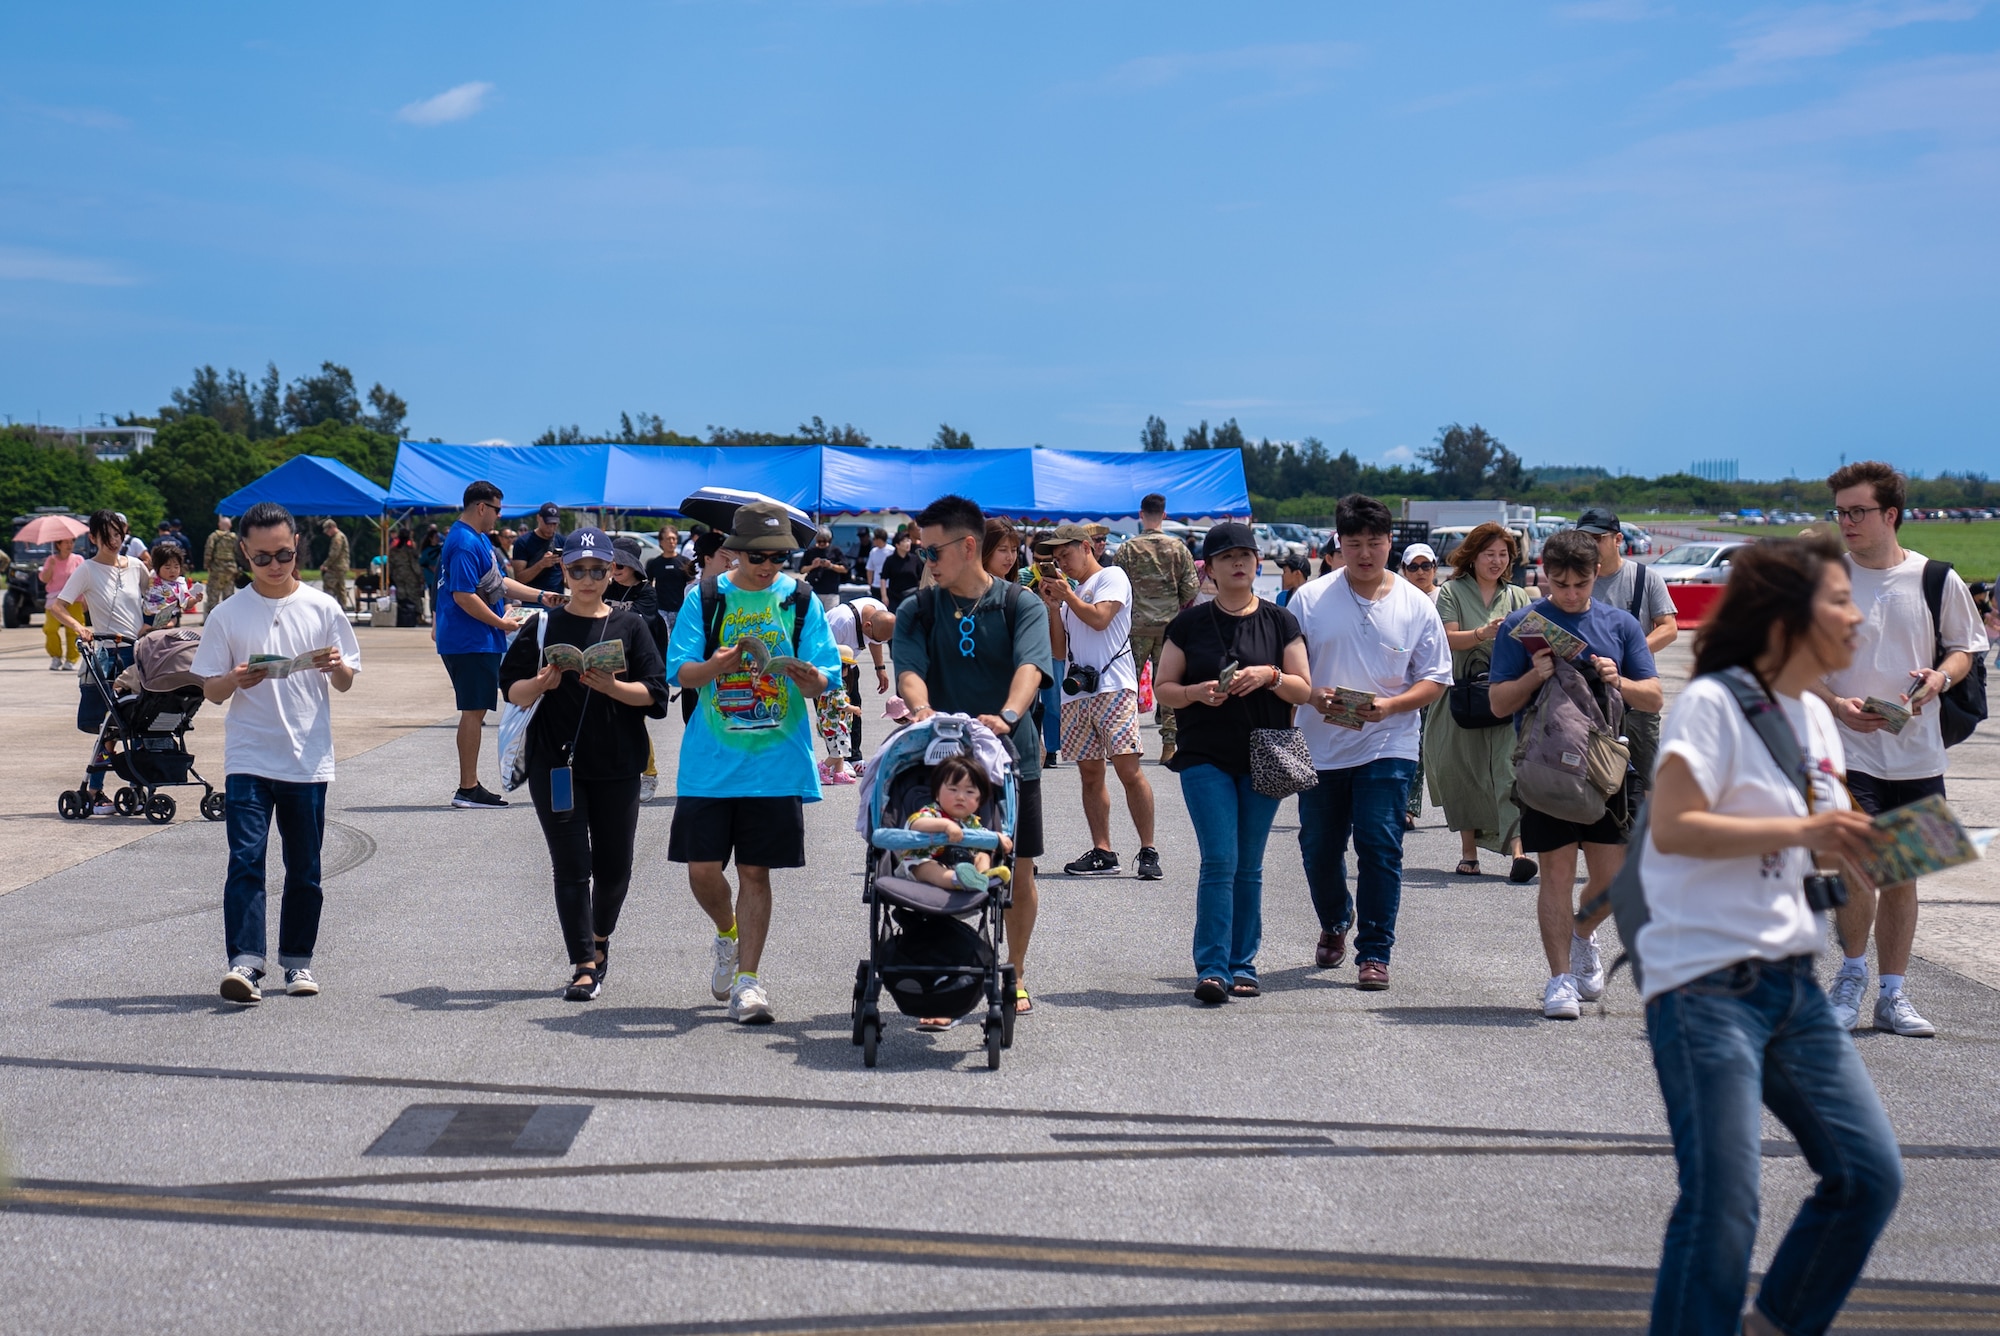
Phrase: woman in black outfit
(593, 726)
(901, 571)
(1232, 821)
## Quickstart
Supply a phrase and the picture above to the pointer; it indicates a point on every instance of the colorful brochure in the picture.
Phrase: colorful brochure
(1538, 633)
(1895, 711)
(1919, 839)
(1345, 711)
(277, 667)
(608, 655)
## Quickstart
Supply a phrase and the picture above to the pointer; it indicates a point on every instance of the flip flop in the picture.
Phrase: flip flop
(1467, 867)
(1245, 987)
(935, 1024)
(1023, 1004)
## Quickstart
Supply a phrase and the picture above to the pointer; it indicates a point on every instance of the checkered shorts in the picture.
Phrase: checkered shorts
(1095, 727)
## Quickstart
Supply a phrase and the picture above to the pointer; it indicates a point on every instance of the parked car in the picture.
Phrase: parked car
(649, 543)
(1304, 542)
(1698, 563)
(1638, 542)
(1275, 546)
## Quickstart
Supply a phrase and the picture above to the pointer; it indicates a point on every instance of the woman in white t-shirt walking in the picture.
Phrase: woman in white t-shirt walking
(1736, 1018)
(111, 587)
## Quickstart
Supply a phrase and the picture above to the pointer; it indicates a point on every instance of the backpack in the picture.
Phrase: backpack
(1627, 893)
(711, 601)
(1568, 761)
(1963, 708)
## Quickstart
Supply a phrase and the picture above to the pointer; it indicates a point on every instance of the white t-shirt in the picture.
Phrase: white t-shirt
(115, 595)
(876, 556)
(277, 729)
(1895, 638)
(845, 623)
(1711, 912)
(1109, 650)
(1385, 645)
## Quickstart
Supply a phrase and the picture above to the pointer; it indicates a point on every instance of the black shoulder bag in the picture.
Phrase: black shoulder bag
(1469, 704)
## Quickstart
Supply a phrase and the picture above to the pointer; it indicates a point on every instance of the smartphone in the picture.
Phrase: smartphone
(562, 797)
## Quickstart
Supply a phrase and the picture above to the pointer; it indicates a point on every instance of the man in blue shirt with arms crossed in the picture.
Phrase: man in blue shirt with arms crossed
(471, 630)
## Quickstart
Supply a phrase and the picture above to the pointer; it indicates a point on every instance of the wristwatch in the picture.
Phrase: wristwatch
(1010, 718)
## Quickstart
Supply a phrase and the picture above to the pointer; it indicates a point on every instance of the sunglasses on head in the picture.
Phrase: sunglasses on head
(284, 556)
(762, 558)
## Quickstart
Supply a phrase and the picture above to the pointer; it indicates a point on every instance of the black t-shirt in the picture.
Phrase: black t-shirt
(529, 548)
(670, 576)
(613, 743)
(1219, 735)
(899, 578)
(823, 580)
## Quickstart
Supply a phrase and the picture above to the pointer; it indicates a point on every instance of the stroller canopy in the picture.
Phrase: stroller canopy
(926, 744)
(164, 658)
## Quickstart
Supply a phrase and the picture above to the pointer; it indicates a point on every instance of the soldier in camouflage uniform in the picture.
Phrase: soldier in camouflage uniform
(218, 563)
(1162, 573)
(333, 570)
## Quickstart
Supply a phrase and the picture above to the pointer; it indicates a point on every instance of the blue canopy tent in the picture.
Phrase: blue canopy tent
(310, 485)
(652, 479)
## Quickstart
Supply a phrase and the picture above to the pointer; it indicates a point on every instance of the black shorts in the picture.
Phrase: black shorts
(1541, 832)
(1876, 796)
(763, 832)
(475, 680)
(1028, 820)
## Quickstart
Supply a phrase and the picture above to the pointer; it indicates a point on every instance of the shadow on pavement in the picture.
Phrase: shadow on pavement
(1521, 1018)
(467, 999)
(160, 1005)
(592, 1022)
(826, 1044)
(1100, 999)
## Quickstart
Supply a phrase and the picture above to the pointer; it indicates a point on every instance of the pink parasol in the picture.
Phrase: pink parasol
(49, 529)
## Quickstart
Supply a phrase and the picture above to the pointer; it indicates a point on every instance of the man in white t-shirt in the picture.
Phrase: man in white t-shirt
(277, 742)
(1894, 663)
(1091, 626)
(858, 624)
(877, 554)
(1368, 631)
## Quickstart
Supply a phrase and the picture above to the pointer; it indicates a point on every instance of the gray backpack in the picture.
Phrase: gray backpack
(1569, 759)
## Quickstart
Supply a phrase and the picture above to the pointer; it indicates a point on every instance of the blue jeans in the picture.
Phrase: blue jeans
(1231, 823)
(250, 802)
(1762, 1033)
(1365, 801)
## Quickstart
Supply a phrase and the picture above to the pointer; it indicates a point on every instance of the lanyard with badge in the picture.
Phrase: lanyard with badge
(562, 785)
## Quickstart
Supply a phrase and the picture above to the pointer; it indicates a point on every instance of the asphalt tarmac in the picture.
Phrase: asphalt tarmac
(439, 1143)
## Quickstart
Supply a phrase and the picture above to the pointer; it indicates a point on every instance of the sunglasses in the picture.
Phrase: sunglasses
(284, 556)
(587, 572)
(1420, 565)
(762, 558)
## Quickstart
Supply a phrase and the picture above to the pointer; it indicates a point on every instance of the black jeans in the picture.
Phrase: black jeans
(850, 677)
(590, 848)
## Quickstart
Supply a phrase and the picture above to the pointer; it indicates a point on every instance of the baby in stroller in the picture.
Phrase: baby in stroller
(959, 788)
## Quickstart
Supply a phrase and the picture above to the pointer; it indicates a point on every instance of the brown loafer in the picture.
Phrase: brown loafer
(1332, 949)
(1373, 976)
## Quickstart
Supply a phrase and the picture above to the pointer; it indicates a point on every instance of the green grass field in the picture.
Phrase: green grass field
(1973, 548)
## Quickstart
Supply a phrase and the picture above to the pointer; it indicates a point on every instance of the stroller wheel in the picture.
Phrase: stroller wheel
(212, 807)
(126, 801)
(993, 1045)
(160, 808)
(871, 1036)
(70, 807)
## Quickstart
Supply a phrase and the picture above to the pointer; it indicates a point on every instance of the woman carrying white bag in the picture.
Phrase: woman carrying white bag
(585, 746)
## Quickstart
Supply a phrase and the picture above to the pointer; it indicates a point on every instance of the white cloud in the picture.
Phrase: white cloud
(20, 264)
(1401, 454)
(454, 104)
(1816, 32)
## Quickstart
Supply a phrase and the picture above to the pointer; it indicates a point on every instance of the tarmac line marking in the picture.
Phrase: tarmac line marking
(908, 1247)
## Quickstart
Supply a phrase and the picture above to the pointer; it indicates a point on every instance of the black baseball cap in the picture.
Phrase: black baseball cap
(1227, 537)
(550, 511)
(1599, 519)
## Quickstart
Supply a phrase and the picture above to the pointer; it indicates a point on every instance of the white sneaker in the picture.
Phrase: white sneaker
(300, 983)
(648, 786)
(722, 978)
(1896, 1013)
(1559, 999)
(240, 985)
(55, 663)
(749, 1004)
(1845, 995)
(1586, 966)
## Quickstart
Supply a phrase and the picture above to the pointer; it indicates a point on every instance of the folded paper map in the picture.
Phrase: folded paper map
(277, 666)
(1895, 711)
(1538, 633)
(1345, 711)
(608, 655)
(1919, 839)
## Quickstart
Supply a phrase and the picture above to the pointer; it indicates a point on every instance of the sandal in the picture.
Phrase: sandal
(1211, 991)
(1467, 867)
(936, 1024)
(1023, 1004)
(585, 984)
(1245, 987)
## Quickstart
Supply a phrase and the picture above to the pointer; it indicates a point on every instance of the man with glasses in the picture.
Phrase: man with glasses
(471, 631)
(971, 644)
(1913, 609)
(1637, 588)
(1100, 715)
(277, 744)
(747, 767)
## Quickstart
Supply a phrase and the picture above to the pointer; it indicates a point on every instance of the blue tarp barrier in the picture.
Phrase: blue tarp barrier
(652, 479)
(309, 485)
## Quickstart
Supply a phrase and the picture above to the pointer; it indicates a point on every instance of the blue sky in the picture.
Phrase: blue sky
(1613, 232)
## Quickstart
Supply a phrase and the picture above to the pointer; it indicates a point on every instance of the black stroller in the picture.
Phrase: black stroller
(936, 952)
(147, 713)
